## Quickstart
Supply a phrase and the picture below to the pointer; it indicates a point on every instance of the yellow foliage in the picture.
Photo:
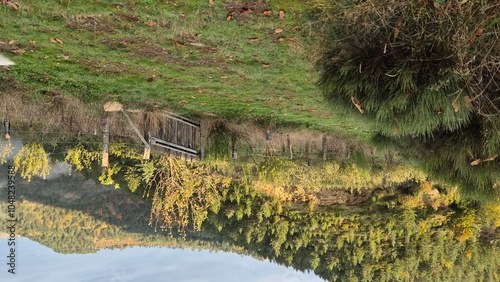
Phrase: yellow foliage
(5, 151)
(32, 160)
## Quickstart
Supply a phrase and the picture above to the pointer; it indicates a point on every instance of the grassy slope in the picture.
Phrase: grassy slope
(110, 49)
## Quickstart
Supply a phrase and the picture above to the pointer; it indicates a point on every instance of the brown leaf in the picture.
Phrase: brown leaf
(53, 40)
(281, 39)
(396, 29)
(151, 23)
(278, 30)
(223, 76)
(282, 15)
(11, 42)
(475, 162)
(253, 40)
(246, 12)
(59, 41)
(468, 100)
(185, 55)
(267, 13)
(20, 51)
(211, 2)
(230, 15)
(13, 5)
(179, 44)
(357, 104)
(266, 65)
(456, 107)
(183, 102)
(492, 158)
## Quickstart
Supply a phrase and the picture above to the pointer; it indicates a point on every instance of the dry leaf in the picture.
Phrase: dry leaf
(59, 41)
(468, 100)
(267, 13)
(357, 104)
(185, 56)
(151, 79)
(179, 44)
(211, 2)
(456, 107)
(253, 40)
(183, 102)
(223, 76)
(282, 15)
(112, 107)
(11, 42)
(20, 51)
(13, 5)
(266, 65)
(151, 23)
(278, 30)
(53, 40)
(396, 29)
(492, 158)
(197, 44)
(475, 162)
(246, 12)
(230, 15)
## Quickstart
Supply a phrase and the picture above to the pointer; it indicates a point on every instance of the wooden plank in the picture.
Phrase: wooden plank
(182, 119)
(171, 146)
(135, 129)
(202, 142)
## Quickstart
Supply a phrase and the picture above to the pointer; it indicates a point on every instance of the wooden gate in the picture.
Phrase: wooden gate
(180, 137)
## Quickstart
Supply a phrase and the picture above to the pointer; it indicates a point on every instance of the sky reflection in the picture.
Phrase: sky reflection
(36, 262)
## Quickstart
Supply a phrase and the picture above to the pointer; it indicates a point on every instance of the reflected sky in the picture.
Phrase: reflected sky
(36, 262)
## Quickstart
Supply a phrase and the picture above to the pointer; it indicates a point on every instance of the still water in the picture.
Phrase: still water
(36, 262)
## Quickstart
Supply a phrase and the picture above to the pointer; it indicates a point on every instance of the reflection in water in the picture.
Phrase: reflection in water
(39, 263)
(349, 220)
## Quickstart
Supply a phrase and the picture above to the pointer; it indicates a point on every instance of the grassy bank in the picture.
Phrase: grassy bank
(242, 59)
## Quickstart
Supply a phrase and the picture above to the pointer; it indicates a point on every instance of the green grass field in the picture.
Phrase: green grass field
(228, 59)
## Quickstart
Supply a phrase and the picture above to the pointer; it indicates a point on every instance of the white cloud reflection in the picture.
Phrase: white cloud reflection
(39, 263)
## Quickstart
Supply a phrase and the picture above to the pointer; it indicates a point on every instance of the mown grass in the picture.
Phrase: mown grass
(198, 60)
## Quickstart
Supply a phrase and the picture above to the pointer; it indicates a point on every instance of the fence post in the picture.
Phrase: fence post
(289, 144)
(105, 140)
(324, 147)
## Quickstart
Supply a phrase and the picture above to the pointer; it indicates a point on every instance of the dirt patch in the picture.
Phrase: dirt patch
(96, 24)
(244, 11)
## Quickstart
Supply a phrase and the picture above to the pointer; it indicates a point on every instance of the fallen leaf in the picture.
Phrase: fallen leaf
(396, 29)
(281, 39)
(13, 5)
(253, 40)
(11, 42)
(33, 42)
(455, 107)
(282, 15)
(266, 65)
(475, 162)
(492, 158)
(230, 15)
(183, 102)
(211, 2)
(151, 23)
(53, 40)
(59, 41)
(223, 76)
(197, 44)
(151, 79)
(185, 56)
(278, 30)
(468, 100)
(267, 13)
(246, 12)
(20, 51)
(179, 44)
(357, 104)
